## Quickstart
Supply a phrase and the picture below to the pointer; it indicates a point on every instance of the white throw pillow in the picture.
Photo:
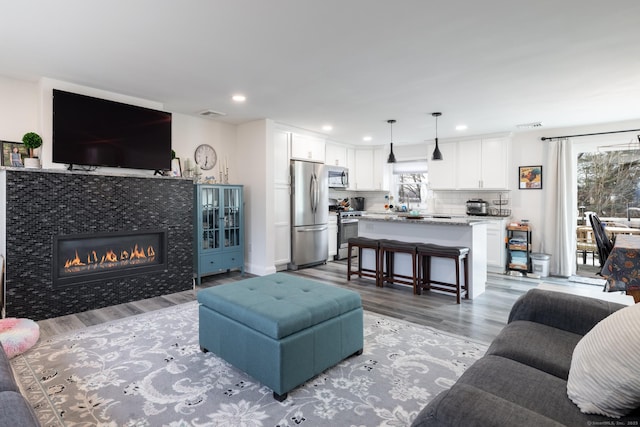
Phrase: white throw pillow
(604, 377)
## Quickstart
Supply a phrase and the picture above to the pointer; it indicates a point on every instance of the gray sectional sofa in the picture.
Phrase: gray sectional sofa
(14, 408)
(522, 379)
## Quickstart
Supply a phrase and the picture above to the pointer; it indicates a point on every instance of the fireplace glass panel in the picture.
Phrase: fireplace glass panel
(81, 258)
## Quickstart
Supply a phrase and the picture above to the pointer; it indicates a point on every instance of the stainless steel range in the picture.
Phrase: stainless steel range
(347, 228)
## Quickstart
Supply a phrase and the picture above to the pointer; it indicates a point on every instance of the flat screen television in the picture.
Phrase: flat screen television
(91, 131)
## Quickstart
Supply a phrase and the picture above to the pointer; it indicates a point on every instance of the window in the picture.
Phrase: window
(609, 183)
(410, 182)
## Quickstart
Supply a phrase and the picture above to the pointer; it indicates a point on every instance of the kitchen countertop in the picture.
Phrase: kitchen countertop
(424, 219)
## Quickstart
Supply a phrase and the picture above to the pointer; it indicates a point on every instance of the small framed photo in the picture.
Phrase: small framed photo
(13, 154)
(176, 167)
(530, 177)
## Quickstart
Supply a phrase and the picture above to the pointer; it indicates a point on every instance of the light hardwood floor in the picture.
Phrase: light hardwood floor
(480, 319)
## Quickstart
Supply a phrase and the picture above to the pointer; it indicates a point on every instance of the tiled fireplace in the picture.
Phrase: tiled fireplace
(77, 241)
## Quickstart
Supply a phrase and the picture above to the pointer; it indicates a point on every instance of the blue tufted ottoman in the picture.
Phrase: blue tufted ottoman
(280, 329)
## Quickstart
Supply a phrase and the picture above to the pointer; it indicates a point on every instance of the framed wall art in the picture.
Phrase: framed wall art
(176, 167)
(13, 154)
(530, 177)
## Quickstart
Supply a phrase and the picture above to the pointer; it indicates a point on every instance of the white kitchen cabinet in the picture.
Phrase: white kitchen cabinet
(351, 165)
(336, 155)
(333, 236)
(471, 164)
(306, 147)
(381, 169)
(495, 163)
(484, 162)
(364, 169)
(496, 234)
(371, 171)
(282, 199)
(442, 173)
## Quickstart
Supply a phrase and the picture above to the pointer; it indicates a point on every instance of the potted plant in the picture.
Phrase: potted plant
(31, 140)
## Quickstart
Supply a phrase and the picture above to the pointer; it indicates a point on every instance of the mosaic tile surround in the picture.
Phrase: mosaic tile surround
(42, 204)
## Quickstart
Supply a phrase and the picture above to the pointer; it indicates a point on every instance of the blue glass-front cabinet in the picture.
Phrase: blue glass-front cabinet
(219, 229)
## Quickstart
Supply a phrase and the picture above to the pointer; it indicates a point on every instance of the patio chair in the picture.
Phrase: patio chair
(605, 245)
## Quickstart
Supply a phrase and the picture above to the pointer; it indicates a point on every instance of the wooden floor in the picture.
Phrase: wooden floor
(480, 319)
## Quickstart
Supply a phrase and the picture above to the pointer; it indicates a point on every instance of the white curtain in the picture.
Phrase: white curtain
(559, 230)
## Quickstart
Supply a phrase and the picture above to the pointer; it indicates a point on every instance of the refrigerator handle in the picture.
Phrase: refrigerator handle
(314, 193)
(317, 195)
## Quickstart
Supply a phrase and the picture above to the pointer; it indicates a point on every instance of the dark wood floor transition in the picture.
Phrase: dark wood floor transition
(480, 319)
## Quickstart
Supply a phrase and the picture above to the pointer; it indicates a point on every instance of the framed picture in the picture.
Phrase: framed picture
(530, 177)
(13, 154)
(176, 167)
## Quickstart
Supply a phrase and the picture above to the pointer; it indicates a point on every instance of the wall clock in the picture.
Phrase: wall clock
(205, 157)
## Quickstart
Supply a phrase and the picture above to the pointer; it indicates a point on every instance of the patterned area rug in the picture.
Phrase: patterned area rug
(148, 370)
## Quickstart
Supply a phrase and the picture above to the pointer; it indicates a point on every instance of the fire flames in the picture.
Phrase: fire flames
(110, 259)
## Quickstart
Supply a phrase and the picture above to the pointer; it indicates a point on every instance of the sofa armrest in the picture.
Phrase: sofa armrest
(572, 313)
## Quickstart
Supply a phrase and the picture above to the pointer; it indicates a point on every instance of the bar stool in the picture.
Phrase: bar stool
(388, 251)
(456, 253)
(363, 243)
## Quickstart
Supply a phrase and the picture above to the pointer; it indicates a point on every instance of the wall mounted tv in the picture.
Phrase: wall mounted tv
(96, 132)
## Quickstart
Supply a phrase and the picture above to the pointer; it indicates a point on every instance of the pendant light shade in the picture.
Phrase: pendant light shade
(437, 155)
(392, 157)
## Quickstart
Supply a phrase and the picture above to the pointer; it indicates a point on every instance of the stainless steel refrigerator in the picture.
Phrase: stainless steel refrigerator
(309, 214)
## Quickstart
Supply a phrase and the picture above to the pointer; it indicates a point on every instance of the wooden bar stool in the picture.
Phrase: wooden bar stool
(364, 243)
(457, 254)
(388, 251)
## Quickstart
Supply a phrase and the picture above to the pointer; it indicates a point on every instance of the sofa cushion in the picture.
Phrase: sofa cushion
(15, 411)
(467, 405)
(7, 381)
(603, 378)
(530, 388)
(537, 345)
(572, 313)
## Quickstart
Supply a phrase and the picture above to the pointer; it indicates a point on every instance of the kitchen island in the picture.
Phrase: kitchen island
(468, 232)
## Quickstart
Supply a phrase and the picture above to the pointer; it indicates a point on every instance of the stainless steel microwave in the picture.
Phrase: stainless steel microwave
(338, 176)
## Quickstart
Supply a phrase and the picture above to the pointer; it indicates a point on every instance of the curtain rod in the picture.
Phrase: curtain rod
(545, 138)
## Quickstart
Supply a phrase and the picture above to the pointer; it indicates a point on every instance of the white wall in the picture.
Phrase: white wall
(256, 152)
(18, 109)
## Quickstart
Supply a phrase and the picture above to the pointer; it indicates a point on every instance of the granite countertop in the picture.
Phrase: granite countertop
(430, 219)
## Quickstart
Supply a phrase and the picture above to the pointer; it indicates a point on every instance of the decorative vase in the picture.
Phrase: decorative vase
(32, 163)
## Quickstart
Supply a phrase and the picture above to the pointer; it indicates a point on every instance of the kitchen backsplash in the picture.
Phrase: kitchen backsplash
(440, 202)
(454, 202)
(373, 200)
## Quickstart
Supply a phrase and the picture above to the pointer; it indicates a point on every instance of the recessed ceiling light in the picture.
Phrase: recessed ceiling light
(327, 128)
(239, 98)
(367, 138)
(461, 127)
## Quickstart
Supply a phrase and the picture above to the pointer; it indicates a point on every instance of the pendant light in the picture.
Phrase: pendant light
(437, 155)
(392, 157)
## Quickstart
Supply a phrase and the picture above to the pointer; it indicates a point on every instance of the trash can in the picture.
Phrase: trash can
(540, 264)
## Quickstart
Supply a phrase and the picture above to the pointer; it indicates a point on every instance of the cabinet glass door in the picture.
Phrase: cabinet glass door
(232, 219)
(210, 199)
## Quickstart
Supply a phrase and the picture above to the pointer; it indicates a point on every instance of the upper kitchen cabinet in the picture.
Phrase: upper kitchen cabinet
(351, 165)
(336, 155)
(484, 162)
(471, 165)
(370, 170)
(306, 147)
(442, 173)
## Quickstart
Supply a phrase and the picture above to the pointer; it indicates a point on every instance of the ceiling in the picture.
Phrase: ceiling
(353, 64)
